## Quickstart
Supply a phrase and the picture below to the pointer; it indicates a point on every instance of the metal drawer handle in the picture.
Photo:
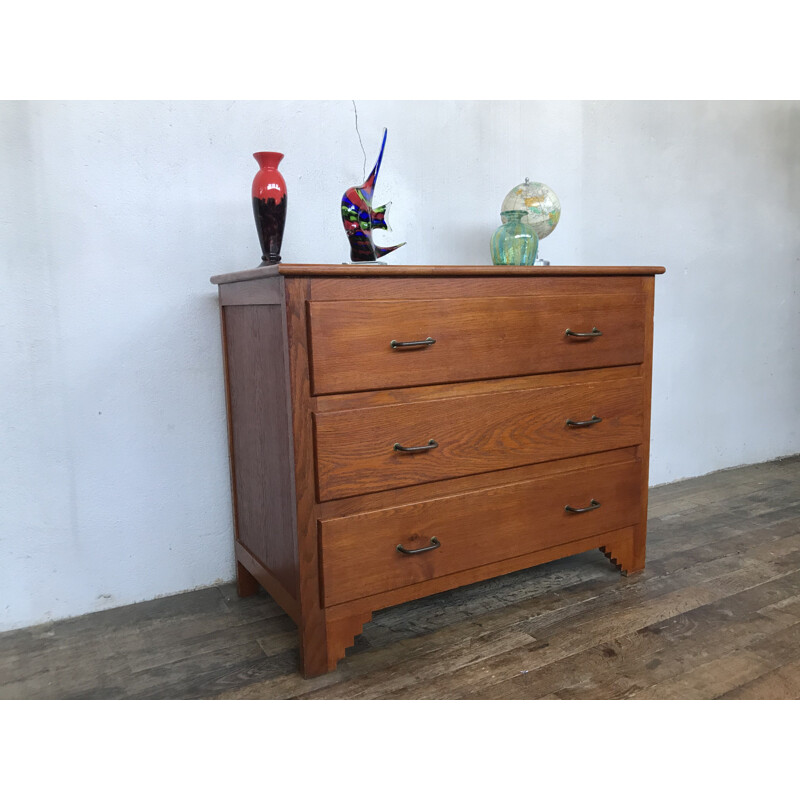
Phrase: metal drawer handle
(418, 449)
(591, 507)
(585, 423)
(594, 332)
(424, 343)
(433, 545)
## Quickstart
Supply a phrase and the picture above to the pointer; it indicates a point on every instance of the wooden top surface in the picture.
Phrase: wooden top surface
(408, 271)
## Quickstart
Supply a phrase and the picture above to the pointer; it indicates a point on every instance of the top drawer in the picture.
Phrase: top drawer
(473, 338)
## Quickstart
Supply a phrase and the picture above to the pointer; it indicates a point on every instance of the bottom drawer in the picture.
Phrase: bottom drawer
(360, 556)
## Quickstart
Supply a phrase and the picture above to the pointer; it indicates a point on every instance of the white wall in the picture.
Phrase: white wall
(113, 460)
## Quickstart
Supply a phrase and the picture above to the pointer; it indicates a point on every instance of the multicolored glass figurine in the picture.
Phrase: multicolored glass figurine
(360, 218)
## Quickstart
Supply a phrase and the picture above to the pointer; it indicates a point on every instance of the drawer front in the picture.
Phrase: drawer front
(360, 556)
(475, 338)
(355, 449)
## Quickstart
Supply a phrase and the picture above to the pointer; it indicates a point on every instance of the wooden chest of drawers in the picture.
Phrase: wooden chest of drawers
(400, 431)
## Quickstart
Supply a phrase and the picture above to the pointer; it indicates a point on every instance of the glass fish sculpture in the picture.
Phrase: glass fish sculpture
(360, 218)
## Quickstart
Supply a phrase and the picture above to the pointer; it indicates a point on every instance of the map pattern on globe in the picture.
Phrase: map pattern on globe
(539, 201)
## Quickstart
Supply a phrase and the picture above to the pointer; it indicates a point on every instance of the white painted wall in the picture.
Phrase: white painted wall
(113, 458)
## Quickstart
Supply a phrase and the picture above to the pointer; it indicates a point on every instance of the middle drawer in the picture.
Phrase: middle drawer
(365, 450)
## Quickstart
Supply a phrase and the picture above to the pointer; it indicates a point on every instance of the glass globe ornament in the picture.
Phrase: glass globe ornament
(540, 204)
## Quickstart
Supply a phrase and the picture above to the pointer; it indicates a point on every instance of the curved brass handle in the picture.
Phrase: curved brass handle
(433, 545)
(584, 423)
(594, 332)
(424, 343)
(418, 449)
(591, 507)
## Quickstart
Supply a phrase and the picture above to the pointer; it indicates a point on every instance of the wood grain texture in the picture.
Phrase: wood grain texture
(255, 274)
(427, 288)
(260, 438)
(377, 270)
(482, 572)
(360, 556)
(267, 291)
(482, 270)
(246, 583)
(501, 383)
(254, 570)
(476, 433)
(314, 647)
(620, 553)
(475, 338)
(422, 492)
(341, 634)
(416, 394)
(640, 538)
(244, 580)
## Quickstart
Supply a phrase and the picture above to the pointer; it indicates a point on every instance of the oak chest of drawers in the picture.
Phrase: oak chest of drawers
(400, 431)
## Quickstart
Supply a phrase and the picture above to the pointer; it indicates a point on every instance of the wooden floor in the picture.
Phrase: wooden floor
(716, 614)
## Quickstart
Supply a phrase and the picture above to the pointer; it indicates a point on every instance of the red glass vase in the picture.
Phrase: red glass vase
(269, 206)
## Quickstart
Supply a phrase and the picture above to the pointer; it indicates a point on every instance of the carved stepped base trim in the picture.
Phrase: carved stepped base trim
(342, 633)
(620, 553)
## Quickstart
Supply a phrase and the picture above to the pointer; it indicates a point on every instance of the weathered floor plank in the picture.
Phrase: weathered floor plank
(716, 614)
